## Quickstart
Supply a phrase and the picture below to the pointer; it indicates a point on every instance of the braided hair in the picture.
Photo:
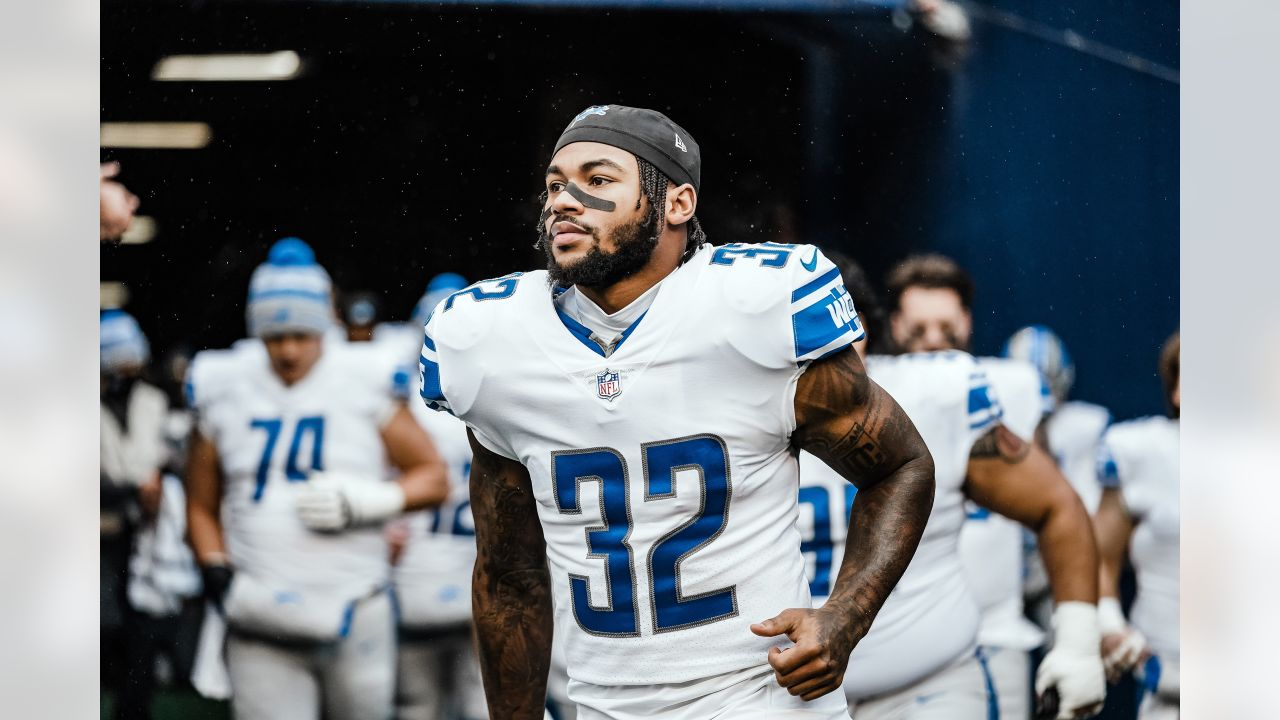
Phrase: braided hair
(653, 185)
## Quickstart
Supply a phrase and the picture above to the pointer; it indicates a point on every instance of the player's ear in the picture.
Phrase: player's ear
(682, 200)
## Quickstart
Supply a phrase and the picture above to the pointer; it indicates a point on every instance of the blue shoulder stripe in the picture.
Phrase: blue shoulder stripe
(814, 284)
(829, 319)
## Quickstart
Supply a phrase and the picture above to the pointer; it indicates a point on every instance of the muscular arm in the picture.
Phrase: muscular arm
(1112, 527)
(424, 477)
(1020, 481)
(204, 499)
(510, 587)
(850, 423)
(854, 426)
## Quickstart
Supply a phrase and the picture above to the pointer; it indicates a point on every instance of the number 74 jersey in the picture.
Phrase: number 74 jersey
(663, 473)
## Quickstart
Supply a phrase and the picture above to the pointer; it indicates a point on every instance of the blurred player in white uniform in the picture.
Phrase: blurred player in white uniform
(140, 603)
(920, 660)
(931, 298)
(1071, 432)
(286, 496)
(1073, 429)
(634, 415)
(1139, 472)
(438, 673)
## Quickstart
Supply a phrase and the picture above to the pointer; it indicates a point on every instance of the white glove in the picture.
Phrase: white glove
(1074, 665)
(332, 502)
(1123, 644)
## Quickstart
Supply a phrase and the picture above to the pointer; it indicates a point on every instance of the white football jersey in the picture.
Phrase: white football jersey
(991, 545)
(433, 575)
(663, 473)
(270, 437)
(1074, 431)
(1140, 457)
(930, 618)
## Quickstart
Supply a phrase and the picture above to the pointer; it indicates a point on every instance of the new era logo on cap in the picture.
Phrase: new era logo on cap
(680, 144)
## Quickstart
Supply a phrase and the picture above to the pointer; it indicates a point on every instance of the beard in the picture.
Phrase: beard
(633, 243)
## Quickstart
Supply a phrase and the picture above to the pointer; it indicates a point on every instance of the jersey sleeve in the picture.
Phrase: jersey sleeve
(823, 318)
(1019, 386)
(201, 385)
(985, 411)
(429, 387)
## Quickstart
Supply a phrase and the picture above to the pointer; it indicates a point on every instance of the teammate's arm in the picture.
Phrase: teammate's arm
(424, 477)
(1123, 646)
(510, 587)
(204, 500)
(333, 502)
(1019, 480)
(204, 524)
(1112, 527)
(858, 429)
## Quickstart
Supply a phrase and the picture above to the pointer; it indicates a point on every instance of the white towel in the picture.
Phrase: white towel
(209, 673)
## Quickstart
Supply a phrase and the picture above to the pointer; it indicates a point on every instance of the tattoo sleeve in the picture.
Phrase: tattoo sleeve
(510, 589)
(858, 429)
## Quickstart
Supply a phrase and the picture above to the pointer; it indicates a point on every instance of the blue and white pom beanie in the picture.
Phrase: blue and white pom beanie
(290, 292)
(121, 343)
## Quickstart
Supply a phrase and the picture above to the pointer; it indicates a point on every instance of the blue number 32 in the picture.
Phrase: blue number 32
(672, 609)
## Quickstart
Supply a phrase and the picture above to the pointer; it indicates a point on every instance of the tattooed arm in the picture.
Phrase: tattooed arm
(857, 428)
(510, 587)
(1020, 481)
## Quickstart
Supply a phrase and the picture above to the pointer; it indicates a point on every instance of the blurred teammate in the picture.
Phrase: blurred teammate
(931, 298)
(1071, 432)
(132, 454)
(920, 659)
(359, 315)
(1139, 511)
(1073, 429)
(438, 674)
(633, 412)
(286, 493)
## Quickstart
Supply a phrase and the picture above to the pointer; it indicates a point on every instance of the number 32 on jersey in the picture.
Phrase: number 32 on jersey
(672, 610)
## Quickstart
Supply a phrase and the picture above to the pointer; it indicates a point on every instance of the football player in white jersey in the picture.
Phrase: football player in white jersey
(1138, 469)
(1071, 432)
(286, 493)
(635, 412)
(920, 659)
(930, 299)
(1073, 428)
(438, 674)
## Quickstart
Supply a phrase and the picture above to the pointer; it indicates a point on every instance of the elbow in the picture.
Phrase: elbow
(922, 468)
(1068, 518)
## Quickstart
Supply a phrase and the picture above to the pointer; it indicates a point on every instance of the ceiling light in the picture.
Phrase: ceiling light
(141, 230)
(282, 65)
(181, 135)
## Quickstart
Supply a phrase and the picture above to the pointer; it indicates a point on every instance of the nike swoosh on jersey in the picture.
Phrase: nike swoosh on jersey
(812, 263)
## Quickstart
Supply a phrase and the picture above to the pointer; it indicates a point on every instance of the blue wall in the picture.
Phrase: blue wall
(1059, 192)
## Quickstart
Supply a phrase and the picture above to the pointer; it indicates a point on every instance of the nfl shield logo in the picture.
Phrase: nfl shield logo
(608, 386)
